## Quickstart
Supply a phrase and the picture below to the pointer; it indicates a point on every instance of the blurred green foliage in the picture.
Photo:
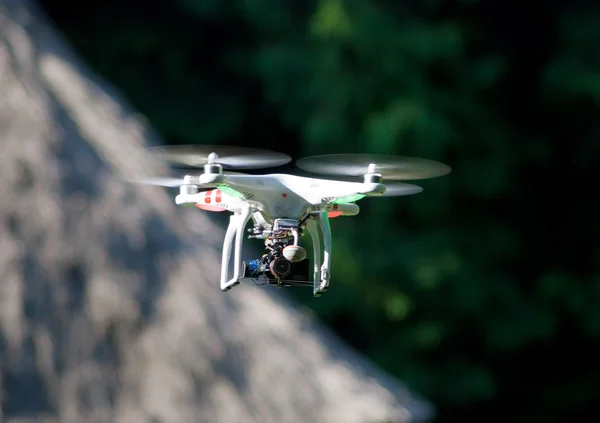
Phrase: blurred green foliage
(482, 292)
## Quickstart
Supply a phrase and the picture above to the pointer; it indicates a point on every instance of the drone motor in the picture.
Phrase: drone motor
(188, 189)
(213, 167)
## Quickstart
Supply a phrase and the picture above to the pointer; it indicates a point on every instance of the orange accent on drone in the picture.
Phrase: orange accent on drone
(210, 208)
(207, 198)
(333, 215)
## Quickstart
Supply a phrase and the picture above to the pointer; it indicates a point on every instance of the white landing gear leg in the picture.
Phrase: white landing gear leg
(321, 270)
(313, 230)
(237, 224)
(323, 220)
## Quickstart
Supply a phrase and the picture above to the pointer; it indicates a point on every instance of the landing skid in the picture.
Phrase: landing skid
(264, 280)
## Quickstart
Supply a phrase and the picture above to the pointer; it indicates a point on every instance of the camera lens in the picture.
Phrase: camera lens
(281, 267)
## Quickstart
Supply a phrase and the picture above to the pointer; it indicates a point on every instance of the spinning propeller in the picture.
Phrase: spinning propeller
(229, 157)
(377, 167)
(198, 156)
(373, 167)
(390, 167)
(172, 181)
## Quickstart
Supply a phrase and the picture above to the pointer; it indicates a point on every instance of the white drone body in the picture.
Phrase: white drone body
(283, 208)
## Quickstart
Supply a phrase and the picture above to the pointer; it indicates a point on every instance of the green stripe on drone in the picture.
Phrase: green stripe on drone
(348, 199)
(230, 191)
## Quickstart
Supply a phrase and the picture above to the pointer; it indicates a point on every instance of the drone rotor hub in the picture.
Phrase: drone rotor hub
(373, 178)
(213, 169)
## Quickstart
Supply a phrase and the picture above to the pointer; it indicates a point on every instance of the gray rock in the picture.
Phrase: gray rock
(110, 309)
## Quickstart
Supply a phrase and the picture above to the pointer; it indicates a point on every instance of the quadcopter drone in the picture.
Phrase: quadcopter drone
(284, 207)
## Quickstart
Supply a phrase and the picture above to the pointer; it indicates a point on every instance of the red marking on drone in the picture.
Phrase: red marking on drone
(208, 200)
(284, 194)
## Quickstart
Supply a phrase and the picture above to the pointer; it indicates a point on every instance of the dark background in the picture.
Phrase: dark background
(482, 292)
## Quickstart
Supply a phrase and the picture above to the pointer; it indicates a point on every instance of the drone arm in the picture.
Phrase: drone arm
(311, 226)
